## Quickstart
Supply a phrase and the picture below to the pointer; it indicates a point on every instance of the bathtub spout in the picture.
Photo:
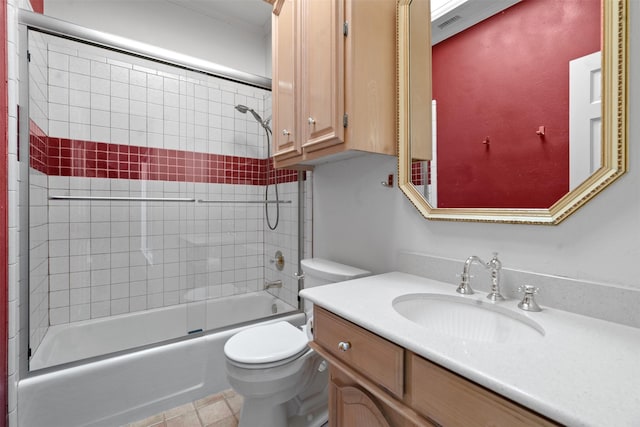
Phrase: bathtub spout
(272, 284)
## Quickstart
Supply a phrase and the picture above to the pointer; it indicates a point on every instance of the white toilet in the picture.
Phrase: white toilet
(284, 382)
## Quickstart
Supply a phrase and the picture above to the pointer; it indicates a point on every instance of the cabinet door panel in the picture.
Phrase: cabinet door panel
(323, 73)
(357, 409)
(286, 139)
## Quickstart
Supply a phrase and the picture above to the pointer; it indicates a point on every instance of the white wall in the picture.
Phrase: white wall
(358, 221)
(167, 25)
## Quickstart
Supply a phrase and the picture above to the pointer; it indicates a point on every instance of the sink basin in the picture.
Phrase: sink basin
(467, 318)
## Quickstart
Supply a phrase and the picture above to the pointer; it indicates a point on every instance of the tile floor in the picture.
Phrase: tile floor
(217, 410)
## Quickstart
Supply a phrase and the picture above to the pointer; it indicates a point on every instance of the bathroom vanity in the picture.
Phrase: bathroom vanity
(373, 380)
(388, 370)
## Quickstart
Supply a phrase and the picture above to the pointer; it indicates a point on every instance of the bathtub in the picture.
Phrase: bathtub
(133, 385)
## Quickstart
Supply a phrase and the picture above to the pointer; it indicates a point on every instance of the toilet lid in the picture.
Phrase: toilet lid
(266, 343)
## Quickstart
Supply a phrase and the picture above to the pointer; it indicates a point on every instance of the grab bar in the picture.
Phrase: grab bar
(160, 199)
(244, 201)
(123, 199)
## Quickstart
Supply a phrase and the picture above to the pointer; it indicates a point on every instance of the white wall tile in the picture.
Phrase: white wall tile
(119, 74)
(138, 78)
(119, 306)
(120, 105)
(58, 78)
(58, 61)
(100, 309)
(100, 118)
(79, 65)
(138, 123)
(79, 115)
(100, 133)
(58, 299)
(100, 101)
(119, 89)
(79, 312)
(59, 316)
(80, 98)
(59, 129)
(100, 69)
(58, 95)
(120, 121)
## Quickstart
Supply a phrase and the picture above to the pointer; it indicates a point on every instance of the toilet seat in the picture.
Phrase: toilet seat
(266, 346)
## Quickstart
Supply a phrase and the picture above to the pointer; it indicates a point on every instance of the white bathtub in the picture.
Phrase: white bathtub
(127, 387)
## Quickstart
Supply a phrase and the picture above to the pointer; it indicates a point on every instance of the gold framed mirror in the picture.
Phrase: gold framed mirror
(417, 121)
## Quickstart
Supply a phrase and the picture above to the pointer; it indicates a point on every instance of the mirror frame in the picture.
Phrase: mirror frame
(614, 129)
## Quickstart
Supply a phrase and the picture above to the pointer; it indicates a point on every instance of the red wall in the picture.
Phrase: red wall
(4, 241)
(502, 79)
(37, 5)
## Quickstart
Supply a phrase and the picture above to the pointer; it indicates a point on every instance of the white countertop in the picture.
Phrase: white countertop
(582, 372)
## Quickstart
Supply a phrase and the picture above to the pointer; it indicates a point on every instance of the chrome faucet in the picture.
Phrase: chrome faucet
(272, 284)
(494, 266)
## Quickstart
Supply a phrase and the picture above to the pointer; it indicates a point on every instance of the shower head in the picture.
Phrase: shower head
(264, 123)
(243, 109)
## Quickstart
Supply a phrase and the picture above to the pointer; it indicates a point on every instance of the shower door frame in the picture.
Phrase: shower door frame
(37, 22)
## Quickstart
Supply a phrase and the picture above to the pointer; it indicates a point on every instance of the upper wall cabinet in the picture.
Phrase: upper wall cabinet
(285, 22)
(334, 79)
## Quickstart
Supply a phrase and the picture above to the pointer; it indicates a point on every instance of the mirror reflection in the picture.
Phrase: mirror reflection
(516, 112)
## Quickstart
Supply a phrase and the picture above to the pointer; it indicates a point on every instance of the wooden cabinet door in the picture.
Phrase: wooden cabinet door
(322, 73)
(286, 101)
(355, 408)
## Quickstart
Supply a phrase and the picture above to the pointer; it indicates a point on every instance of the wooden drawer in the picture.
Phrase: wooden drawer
(380, 360)
(451, 400)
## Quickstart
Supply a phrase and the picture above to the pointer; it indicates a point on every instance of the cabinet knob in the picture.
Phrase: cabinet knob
(312, 121)
(344, 345)
(285, 132)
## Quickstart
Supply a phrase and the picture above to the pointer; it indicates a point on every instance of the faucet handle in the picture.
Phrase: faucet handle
(495, 263)
(528, 302)
(528, 289)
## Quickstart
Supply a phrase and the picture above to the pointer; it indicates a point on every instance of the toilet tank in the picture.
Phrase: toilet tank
(318, 271)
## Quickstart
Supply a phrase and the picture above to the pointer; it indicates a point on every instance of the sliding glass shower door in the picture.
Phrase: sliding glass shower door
(146, 200)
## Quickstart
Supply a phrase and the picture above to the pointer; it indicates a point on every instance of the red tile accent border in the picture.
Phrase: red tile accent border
(417, 177)
(72, 157)
(38, 148)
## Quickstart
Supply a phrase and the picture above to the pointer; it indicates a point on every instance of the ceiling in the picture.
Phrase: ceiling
(252, 15)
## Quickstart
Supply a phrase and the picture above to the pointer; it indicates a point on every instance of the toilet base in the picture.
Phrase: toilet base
(318, 418)
(258, 412)
(255, 412)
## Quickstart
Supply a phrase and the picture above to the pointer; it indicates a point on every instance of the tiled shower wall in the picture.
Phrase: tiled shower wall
(120, 126)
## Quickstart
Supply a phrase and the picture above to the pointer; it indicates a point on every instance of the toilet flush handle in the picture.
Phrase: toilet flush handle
(344, 345)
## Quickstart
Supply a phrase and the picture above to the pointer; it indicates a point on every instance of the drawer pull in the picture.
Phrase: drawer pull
(344, 345)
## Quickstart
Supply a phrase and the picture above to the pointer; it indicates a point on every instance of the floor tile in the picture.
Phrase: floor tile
(217, 410)
(214, 412)
(235, 403)
(180, 410)
(209, 399)
(225, 422)
(190, 419)
(148, 422)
